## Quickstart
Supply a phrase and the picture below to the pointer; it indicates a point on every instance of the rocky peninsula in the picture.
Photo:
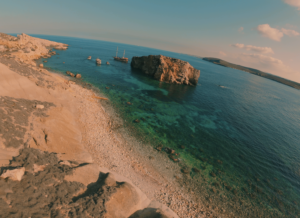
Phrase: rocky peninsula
(57, 143)
(223, 63)
(166, 69)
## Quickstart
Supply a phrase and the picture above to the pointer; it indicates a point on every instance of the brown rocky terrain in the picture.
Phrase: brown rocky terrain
(166, 69)
(47, 167)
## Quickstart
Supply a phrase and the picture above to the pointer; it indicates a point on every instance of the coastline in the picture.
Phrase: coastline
(115, 148)
(90, 130)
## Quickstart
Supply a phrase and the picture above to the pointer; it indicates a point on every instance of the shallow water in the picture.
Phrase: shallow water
(243, 128)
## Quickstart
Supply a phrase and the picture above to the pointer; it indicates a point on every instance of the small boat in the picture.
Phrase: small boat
(121, 59)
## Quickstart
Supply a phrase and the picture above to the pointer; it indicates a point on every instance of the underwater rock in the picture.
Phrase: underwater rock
(159, 147)
(182, 146)
(136, 121)
(185, 170)
(45, 61)
(169, 150)
(215, 184)
(234, 191)
(89, 57)
(107, 87)
(173, 158)
(129, 103)
(72, 74)
(68, 72)
(167, 69)
(228, 188)
(213, 174)
(107, 63)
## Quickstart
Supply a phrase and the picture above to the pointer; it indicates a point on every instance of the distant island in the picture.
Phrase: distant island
(254, 71)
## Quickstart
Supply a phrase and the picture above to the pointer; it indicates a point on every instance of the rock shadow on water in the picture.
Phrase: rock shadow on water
(157, 94)
(178, 92)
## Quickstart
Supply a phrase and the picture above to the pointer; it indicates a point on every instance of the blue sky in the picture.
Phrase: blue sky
(262, 34)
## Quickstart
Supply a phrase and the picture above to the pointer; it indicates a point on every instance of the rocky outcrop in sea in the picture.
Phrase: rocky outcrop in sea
(166, 69)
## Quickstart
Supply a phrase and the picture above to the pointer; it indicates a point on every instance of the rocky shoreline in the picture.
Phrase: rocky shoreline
(58, 131)
(46, 170)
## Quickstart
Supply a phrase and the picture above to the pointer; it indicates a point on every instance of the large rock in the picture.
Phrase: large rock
(167, 69)
(78, 76)
(15, 174)
(98, 61)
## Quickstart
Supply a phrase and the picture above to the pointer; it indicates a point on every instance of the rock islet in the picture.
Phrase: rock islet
(166, 69)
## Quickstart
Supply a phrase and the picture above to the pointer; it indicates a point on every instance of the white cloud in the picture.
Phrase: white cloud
(237, 45)
(264, 50)
(275, 34)
(263, 58)
(223, 53)
(269, 32)
(241, 29)
(290, 32)
(294, 3)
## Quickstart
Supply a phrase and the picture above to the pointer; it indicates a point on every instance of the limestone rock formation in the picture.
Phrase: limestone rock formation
(78, 76)
(98, 61)
(167, 69)
(27, 47)
(15, 174)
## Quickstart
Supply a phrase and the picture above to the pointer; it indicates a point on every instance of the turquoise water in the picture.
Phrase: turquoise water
(243, 128)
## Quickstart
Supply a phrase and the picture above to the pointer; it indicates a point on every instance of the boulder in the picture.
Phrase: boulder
(166, 69)
(72, 74)
(107, 63)
(39, 106)
(78, 76)
(98, 61)
(41, 65)
(68, 72)
(89, 58)
(15, 174)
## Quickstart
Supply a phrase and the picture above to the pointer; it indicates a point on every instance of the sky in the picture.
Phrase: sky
(262, 34)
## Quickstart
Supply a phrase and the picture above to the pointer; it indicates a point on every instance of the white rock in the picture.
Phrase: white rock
(38, 168)
(15, 174)
(39, 106)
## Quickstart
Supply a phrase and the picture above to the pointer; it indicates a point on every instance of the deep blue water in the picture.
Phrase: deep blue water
(242, 127)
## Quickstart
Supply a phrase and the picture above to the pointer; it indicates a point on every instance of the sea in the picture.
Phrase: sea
(240, 130)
